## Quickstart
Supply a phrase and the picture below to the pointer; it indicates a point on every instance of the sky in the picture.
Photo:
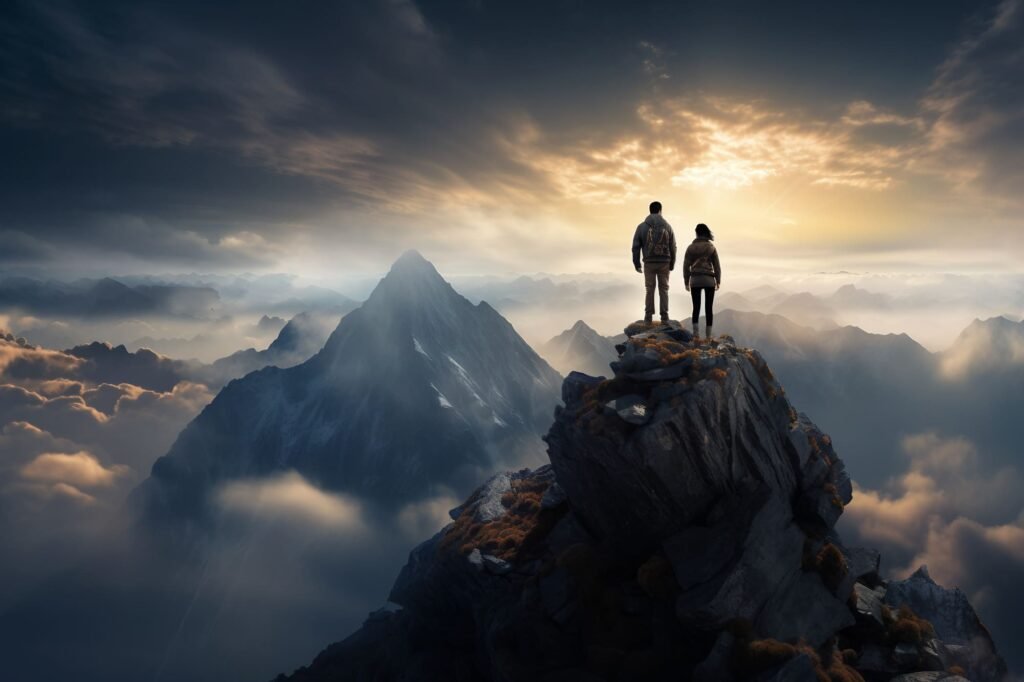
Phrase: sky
(323, 139)
(220, 159)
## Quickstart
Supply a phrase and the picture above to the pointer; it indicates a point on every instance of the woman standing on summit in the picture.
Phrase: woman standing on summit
(702, 272)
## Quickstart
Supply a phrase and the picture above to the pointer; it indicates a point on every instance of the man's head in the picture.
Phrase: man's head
(655, 207)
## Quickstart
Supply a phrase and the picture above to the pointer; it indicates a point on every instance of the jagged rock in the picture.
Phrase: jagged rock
(650, 548)
(734, 575)
(476, 559)
(659, 373)
(869, 605)
(631, 409)
(955, 623)
(631, 489)
(576, 384)
(933, 655)
(493, 564)
(862, 563)
(930, 676)
(672, 329)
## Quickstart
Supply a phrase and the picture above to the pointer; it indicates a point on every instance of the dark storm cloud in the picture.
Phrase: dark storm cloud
(961, 519)
(163, 137)
(161, 131)
(978, 98)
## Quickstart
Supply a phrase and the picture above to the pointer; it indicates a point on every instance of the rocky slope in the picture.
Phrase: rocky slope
(416, 393)
(683, 530)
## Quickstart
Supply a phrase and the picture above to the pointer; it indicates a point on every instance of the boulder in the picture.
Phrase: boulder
(868, 606)
(634, 488)
(631, 409)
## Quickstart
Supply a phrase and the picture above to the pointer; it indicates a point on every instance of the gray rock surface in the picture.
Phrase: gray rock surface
(955, 621)
(693, 543)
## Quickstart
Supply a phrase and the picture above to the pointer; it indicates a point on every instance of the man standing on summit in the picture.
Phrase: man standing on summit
(655, 239)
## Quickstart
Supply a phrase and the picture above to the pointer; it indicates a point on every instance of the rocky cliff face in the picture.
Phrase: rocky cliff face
(683, 530)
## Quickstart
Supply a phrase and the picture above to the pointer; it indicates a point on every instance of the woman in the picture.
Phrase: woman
(702, 272)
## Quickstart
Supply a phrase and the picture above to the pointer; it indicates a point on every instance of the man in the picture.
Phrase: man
(656, 241)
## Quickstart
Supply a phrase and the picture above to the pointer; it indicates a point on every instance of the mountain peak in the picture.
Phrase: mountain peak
(411, 260)
(411, 279)
(686, 501)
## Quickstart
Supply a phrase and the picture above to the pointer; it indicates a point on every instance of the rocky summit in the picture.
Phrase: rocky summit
(684, 529)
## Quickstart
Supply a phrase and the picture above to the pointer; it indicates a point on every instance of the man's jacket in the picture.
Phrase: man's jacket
(655, 240)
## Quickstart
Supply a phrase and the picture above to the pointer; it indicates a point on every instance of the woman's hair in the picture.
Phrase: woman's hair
(705, 232)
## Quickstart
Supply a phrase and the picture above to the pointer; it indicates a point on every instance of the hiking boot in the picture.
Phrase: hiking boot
(664, 319)
(647, 319)
(707, 331)
(695, 330)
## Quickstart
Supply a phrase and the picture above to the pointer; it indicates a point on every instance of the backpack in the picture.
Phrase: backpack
(660, 245)
(703, 265)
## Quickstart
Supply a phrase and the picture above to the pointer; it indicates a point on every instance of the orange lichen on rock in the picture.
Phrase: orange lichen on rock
(906, 627)
(508, 535)
(833, 491)
(754, 656)
(828, 562)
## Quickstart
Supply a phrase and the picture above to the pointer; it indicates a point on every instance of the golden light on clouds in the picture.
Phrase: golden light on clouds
(79, 469)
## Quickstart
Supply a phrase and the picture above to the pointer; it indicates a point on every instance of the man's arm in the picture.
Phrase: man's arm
(718, 268)
(637, 244)
(672, 246)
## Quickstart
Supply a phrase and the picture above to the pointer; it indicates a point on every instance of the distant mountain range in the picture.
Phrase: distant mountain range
(417, 392)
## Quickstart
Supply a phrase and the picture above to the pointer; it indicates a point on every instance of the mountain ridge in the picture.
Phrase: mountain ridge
(684, 530)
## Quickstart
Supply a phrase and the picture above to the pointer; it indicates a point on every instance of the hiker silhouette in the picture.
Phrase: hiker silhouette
(702, 272)
(655, 243)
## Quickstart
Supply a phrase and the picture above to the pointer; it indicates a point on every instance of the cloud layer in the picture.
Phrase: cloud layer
(958, 517)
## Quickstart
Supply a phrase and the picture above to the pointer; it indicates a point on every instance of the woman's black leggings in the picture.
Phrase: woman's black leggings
(709, 303)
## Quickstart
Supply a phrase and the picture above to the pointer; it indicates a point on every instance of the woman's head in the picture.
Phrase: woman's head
(704, 232)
